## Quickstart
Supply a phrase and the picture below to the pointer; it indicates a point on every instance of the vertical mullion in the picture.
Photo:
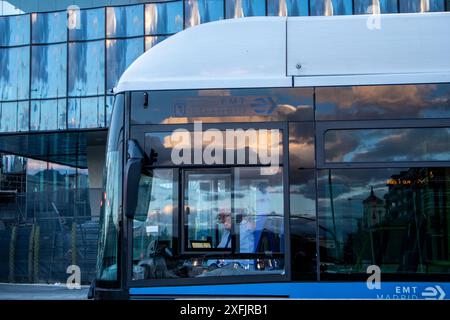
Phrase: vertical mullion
(67, 71)
(233, 231)
(184, 14)
(143, 24)
(105, 64)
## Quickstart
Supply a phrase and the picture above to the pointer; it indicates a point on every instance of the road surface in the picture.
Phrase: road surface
(10, 291)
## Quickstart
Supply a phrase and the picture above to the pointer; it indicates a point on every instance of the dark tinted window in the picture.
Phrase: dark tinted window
(394, 218)
(226, 105)
(377, 145)
(302, 190)
(383, 102)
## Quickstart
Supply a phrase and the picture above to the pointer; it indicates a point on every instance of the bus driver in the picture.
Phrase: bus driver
(246, 232)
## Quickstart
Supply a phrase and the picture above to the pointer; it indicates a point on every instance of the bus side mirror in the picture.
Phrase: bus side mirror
(133, 169)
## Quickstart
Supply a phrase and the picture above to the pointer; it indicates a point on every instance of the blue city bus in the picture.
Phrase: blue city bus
(282, 157)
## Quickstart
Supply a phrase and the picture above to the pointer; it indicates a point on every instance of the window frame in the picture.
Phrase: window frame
(323, 126)
(362, 276)
(137, 132)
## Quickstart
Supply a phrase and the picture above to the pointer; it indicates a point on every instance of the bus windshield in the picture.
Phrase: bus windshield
(196, 222)
(221, 234)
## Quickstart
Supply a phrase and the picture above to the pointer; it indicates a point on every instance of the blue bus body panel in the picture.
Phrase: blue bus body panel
(322, 290)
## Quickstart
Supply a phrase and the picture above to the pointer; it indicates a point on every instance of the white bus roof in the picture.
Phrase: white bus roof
(298, 51)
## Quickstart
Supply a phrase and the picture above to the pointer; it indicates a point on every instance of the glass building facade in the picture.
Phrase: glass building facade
(59, 61)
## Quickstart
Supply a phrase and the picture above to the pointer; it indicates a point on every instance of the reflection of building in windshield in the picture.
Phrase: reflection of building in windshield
(424, 209)
(405, 229)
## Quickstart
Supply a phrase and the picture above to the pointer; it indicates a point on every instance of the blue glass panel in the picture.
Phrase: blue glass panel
(201, 11)
(330, 7)
(14, 116)
(86, 68)
(422, 5)
(88, 24)
(245, 8)
(287, 8)
(151, 41)
(384, 217)
(48, 114)
(86, 112)
(124, 21)
(15, 30)
(163, 18)
(48, 71)
(120, 53)
(14, 73)
(367, 6)
(49, 27)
